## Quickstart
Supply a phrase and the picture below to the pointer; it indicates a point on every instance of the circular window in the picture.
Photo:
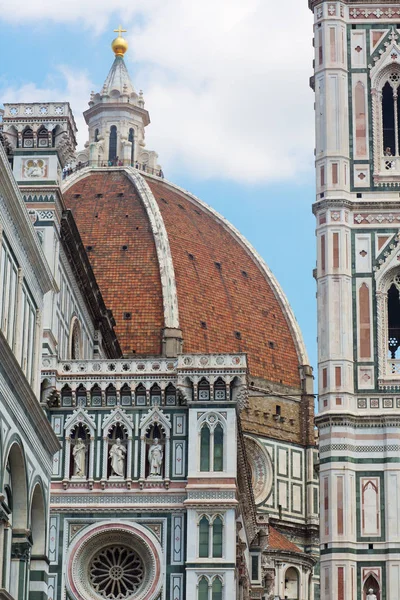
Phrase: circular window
(114, 561)
(116, 572)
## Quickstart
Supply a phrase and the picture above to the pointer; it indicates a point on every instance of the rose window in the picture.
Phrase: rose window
(116, 572)
(114, 561)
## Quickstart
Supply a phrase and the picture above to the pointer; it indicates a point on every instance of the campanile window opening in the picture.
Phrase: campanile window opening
(112, 150)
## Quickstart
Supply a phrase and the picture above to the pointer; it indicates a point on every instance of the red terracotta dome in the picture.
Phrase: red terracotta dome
(164, 259)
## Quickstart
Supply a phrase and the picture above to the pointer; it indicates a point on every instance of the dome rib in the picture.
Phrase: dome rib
(167, 273)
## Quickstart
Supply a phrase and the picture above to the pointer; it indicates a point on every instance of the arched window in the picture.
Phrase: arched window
(203, 390)
(126, 396)
(81, 396)
(204, 537)
(96, 396)
(96, 135)
(393, 305)
(155, 395)
(27, 138)
(217, 537)
(76, 340)
(170, 395)
(292, 584)
(131, 139)
(140, 395)
(219, 389)
(389, 106)
(112, 149)
(111, 395)
(203, 589)
(205, 448)
(43, 137)
(217, 589)
(66, 396)
(218, 448)
(212, 444)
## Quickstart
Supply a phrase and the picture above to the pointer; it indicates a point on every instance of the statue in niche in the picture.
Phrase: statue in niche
(155, 458)
(79, 453)
(371, 595)
(118, 455)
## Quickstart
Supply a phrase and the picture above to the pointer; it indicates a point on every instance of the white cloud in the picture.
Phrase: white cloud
(66, 86)
(226, 82)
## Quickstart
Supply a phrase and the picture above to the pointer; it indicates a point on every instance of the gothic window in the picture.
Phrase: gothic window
(211, 444)
(219, 389)
(210, 537)
(203, 389)
(217, 537)
(112, 150)
(203, 589)
(140, 395)
(155, 395)
(386, 115)
(216, 589)
(170, 395)
(204, 537)
(393, 306)
(389, 108)
(218, 448)
(96, 395)
(131, 139)
(111, 395)
(66, 396)
(27, 138)
(75, 340)
(43, 137)
(126, 396)
(81, 396)
(205, 448)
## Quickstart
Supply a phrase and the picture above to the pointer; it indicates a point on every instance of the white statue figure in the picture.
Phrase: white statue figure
(117, 456)
(79, 454)
(155, 458)
(34, 168)
(371, 595)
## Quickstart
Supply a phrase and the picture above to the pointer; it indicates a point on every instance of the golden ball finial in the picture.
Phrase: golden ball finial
(119, 45)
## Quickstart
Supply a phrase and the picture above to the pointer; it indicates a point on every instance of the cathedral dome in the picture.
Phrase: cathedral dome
(165, 261)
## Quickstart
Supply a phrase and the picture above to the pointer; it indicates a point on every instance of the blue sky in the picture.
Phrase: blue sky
(226, 86)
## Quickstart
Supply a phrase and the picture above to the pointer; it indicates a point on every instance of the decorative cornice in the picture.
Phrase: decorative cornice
(357, 421)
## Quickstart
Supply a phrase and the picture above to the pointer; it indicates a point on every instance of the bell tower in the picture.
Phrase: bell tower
(117, 119)
(357, 209)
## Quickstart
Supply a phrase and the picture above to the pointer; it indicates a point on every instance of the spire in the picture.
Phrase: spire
(118, 79)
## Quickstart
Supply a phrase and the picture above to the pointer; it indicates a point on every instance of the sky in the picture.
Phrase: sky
(226, 85)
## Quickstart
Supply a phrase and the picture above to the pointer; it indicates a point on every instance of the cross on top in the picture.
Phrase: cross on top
(120, 30)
